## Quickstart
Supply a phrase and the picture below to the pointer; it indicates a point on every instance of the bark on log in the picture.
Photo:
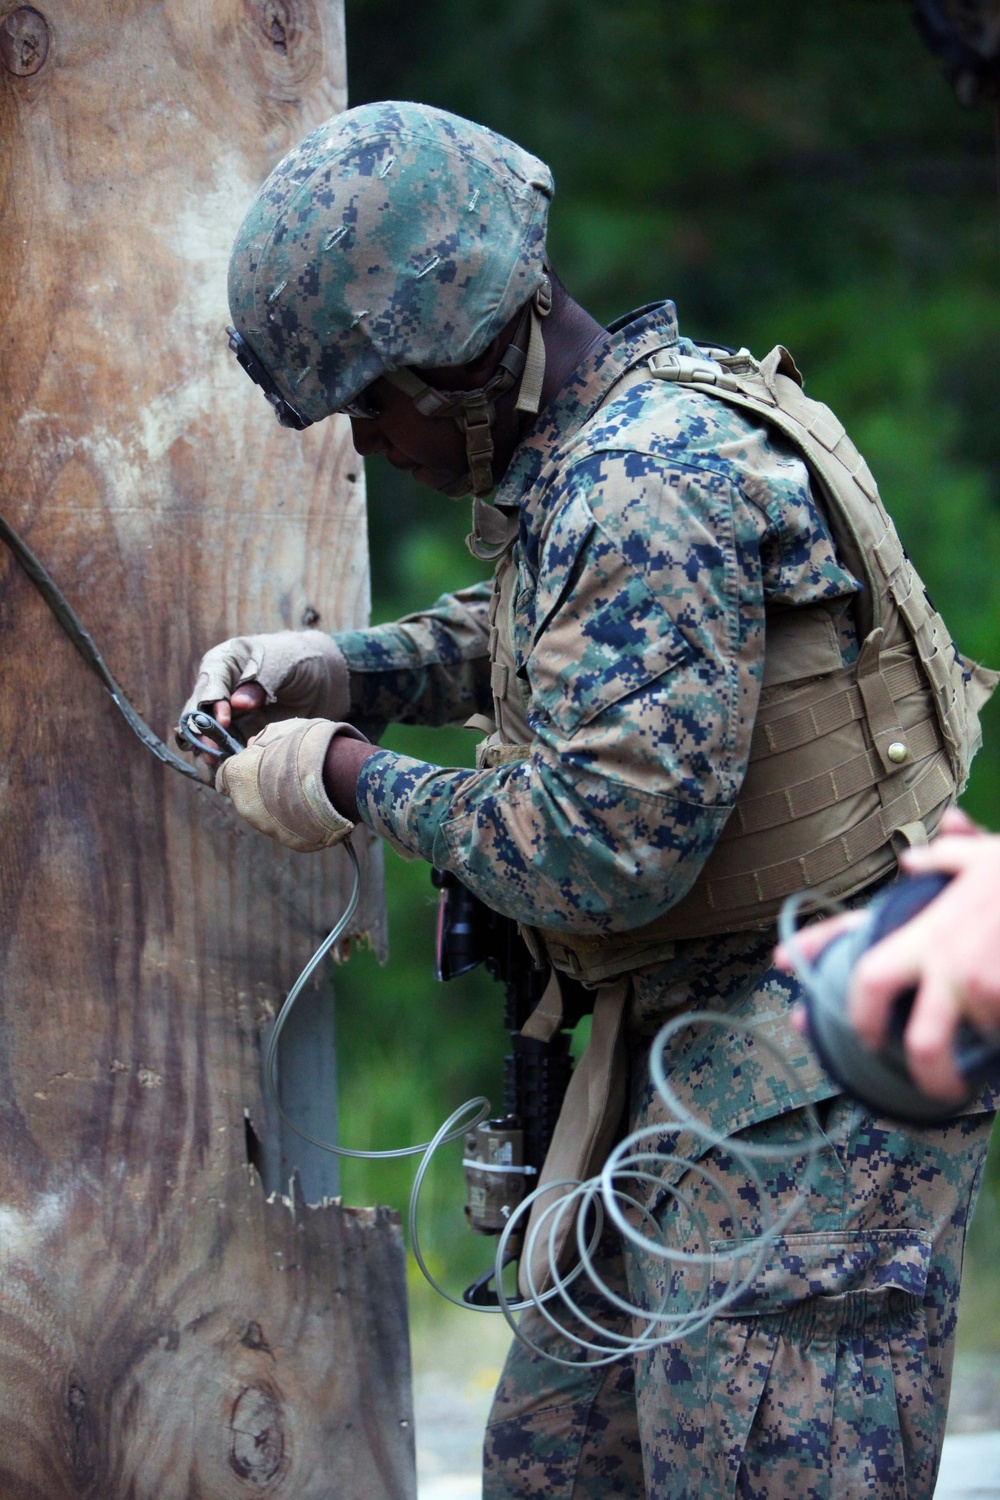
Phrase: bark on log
(165, 1333)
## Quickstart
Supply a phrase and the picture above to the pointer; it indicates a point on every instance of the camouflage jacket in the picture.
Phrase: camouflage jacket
(655, 527)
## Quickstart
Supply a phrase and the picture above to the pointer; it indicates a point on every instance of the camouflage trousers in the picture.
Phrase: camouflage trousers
(828, 1378)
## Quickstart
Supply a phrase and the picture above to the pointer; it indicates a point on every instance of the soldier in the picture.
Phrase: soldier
(708, 675)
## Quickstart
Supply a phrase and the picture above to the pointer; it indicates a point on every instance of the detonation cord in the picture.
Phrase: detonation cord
(466, 1117)
(643, 1164)
(640, 1166)
(195, 726)
(87, 647)
(632, 1178)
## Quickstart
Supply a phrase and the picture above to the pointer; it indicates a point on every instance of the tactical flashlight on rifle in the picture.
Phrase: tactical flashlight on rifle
(504, 1156)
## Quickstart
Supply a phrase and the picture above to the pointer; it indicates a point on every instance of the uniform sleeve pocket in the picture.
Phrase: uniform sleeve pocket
(603, 634)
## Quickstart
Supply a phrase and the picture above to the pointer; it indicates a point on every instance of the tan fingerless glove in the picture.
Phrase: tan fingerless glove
(276, 784)
(303, 673)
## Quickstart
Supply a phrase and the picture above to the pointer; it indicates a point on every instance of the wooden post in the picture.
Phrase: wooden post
(165, 1332)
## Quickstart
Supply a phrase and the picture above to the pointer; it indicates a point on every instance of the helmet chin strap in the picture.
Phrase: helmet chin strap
(474, 411)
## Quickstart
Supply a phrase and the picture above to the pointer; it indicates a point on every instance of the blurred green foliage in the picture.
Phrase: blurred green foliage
(786, 172)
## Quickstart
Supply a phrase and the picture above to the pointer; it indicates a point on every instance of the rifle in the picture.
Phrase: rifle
(504, 1156)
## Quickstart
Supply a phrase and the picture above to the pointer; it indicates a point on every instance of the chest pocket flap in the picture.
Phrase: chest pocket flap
(603, 634)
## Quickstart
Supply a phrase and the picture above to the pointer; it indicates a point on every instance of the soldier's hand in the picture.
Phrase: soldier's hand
(949, 953)
(286, 674)
(277, 782)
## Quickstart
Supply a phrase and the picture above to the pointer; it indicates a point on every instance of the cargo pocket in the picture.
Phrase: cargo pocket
(817, 1377)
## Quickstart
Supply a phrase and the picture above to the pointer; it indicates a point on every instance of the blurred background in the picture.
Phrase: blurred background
(786, 172)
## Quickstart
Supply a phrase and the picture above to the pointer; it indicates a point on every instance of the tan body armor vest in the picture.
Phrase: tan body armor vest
(846, 763)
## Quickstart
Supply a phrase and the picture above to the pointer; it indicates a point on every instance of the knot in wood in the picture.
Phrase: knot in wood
(278, 22)
(284, 45)
(254, 1338)
(24, 41)
(257, 1449)
(278, 28)
(83, 1443)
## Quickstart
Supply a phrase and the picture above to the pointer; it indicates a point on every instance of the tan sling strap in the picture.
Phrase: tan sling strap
(584, 1133)
(846, 764)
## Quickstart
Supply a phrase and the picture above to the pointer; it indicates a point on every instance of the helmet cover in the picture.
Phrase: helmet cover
(395, 235)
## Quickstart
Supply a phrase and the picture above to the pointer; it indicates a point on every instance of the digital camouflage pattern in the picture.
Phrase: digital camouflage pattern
(830, 1376)
(651, 532)
(566, 1432)
(394, 235)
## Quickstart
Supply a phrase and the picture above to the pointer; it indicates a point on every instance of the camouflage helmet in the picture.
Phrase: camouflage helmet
(396, 236)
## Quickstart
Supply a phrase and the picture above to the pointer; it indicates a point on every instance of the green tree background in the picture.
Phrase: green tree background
(786, 172)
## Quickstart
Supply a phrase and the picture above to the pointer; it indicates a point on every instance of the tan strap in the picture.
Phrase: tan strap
(777, 362)
(502, 755)
(473, 411)
(476, 421)
(529, 397)
(546, 1018)
(493, 530)
(586, 1128)
(880, 710)
(425, 398)
(690, 369)
(912, 835)
(890, 555)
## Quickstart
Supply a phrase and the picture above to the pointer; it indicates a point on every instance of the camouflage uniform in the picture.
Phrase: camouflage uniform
(642, 529)
(653, 526)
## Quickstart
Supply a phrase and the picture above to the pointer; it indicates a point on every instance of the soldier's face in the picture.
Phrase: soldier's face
(432, 449)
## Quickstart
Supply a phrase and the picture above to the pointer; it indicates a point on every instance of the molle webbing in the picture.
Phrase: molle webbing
(816, 809)
(846, 763)
(893, 596)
